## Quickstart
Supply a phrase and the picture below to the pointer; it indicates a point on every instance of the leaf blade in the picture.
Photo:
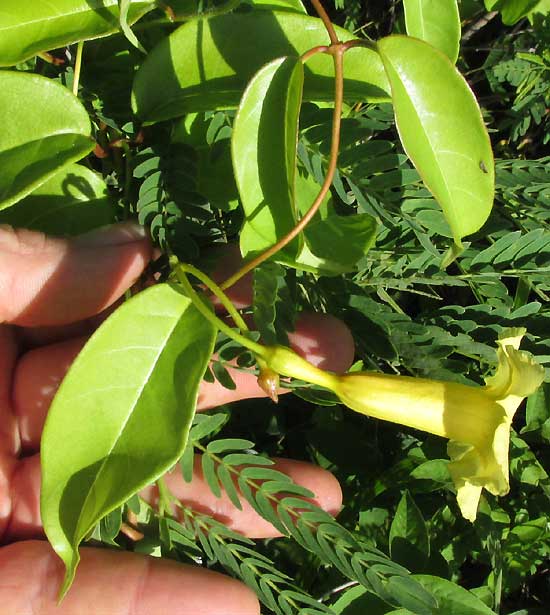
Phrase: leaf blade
(71, 202)
(208, 73)
(38, 141)
(27, 28)
(264, 155)
(124, 8)
(435, 21)
(122, 436)
(442, 131)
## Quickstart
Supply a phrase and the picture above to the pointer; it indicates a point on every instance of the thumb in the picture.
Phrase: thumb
(118, 583)
(52, 281)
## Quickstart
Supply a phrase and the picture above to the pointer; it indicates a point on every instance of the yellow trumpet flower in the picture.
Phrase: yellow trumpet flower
(476, 420)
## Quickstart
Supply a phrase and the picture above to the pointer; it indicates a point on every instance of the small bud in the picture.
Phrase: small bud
(268, 381)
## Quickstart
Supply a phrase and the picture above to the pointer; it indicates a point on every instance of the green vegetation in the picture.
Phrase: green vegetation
(363, 175)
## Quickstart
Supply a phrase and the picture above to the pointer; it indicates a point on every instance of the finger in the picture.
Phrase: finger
(49, 281)
(9, 433)
(37, 377)
(198, 495)
(320, 338)
(117, 583)
(25, 522)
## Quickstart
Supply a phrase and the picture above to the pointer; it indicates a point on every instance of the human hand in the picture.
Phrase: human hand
(53, 290)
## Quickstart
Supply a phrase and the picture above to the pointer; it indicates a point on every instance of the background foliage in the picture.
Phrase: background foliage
(407, 315)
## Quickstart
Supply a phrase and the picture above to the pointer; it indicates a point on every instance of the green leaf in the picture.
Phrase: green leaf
(223, 376)
(434, 474)
(358, 601)
(268, 278)
(109, 526)
(334, 245)
(411, 595)
(187, 462)
(122, 414)
(442, 131)
(45, 128)
(209, 474)
(409, 540)
(27, 28)
(214, 161)
(279, 5)
(199, 66)
(452, 599)
(273, 304)
(264, 141)
(206, 425)
(435, 21)
(537, 412)
(124, 7)
(511, 10)
(228, 444)
(71, 202)
(186, 9)
(226, 479)
(538, 13)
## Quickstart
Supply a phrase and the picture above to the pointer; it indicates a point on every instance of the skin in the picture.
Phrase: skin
(51, 293)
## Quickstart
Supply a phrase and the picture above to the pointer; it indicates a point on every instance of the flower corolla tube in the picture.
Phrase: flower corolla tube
(475, 419)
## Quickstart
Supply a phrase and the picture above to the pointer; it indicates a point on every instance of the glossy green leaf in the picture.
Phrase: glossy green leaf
(451, 598)
(45, 128)
(409, 540)
(336, 244)
(71, 202)
(307, 190)
(359, 601)
(27, 28)
(511, 10)
(122, 414)
(435, 21)
(539, 12)
(442, 131)
(263, 147)
(124, 13)
(278, 5)
(409, 594)
(198, 67)
(186, 9)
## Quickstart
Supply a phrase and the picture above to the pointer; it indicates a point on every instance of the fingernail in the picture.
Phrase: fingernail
(117, 234)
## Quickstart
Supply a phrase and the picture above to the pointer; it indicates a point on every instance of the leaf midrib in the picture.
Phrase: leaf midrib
(41, 20)
(70, 14)
(78, 535)
(432, 151)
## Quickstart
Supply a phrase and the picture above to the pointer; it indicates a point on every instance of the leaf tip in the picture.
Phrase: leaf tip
(68, 579)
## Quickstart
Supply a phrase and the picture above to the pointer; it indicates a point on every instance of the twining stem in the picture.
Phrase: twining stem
(77, 67)
(256, 348)
(337, 50)
(326, 20)
(337, 53)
